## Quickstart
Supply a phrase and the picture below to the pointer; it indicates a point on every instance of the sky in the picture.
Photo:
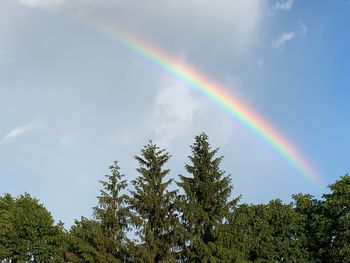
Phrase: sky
(73, 99)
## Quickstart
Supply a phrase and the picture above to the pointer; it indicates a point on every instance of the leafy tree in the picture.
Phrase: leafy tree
(317, 227)
(153, 206)
(267, 233)
(6, 206)
(205, 205)
(28, 231)
(337, 210)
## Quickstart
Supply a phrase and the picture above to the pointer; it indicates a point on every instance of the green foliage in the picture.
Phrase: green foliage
(316, 227)
(103, 239)
(87, 243)
(203, 224)
(153, 207)
(113, 213)
(267, 233)
(205, 204)
(337, 210)
(28, 233)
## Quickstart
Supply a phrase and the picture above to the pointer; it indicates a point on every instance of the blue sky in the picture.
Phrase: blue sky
(72, 100)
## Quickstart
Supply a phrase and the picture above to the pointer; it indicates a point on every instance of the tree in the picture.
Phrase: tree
(6, 207)
(153, 206)
(267, 233)
(112, 212)
(317, 226)
(104, 238)
(205, 205)
(86, 242)
(337, 210)
(28, 231)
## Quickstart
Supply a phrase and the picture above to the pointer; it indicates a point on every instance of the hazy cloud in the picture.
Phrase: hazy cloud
(41, 3)
(285, 5)
(282, 39)
(240, 18)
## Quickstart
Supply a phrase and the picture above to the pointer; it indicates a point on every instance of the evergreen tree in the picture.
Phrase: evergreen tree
(153, 206)
(112, 212)
(205, 205)
(86, 242)
(104, 238)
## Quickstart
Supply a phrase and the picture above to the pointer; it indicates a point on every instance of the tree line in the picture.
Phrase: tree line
(146, 221)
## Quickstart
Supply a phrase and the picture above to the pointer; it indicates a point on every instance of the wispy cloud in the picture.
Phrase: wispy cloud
(303, 29)
(284, 5)
(41, 3)
(36, 125)
(282, 39)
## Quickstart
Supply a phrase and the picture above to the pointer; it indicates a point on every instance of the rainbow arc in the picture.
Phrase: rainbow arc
(216, 93)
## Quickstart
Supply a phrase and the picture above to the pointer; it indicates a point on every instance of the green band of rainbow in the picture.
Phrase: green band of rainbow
(195, 79)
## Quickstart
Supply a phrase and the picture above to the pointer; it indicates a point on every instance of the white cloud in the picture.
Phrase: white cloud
(282, 39)
(174, 111)
(180, 112)
(22, 130)
(285, 5)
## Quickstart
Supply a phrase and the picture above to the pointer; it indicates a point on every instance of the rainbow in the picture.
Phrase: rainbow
(215, 92)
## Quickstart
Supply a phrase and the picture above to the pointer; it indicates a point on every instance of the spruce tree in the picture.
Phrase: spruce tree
(153, 206)
(205, 204)
(112, 212)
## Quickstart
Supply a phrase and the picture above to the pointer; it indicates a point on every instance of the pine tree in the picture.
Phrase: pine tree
(112, 212)
(205, 205)
(153, 206)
